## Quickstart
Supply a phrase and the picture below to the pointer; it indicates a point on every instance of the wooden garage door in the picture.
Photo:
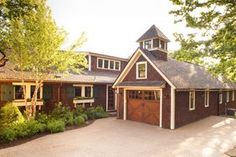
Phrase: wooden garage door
(143, 106)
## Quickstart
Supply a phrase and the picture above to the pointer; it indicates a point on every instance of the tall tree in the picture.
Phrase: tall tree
(215, 22)
(33, 43)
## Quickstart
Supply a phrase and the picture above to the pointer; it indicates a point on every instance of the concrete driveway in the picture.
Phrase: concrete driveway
(117, 138)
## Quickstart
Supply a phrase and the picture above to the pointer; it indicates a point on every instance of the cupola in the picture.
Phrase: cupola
(154, 41)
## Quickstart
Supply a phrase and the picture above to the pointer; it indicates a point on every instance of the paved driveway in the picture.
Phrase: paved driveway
(116, 138)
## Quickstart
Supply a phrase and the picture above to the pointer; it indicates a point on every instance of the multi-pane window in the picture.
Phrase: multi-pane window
(220, 98)
(108, 64)
(19, 92)
(135, 94)
(148, 44)
(192, 100)
(141, 70)
(227, 96)
(207, 93)
(162, 44)
(78, 91)
(87, 92)
(100, 63)
(233, 95)
(151, 95)
(32, 89)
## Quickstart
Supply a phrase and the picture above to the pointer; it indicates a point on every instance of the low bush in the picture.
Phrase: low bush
(10, 115)
(29, 128)
(7, 135)
(79, 120)
(64, 113)
(91, 113)
(84, 116)
(79, 110)
(96, 112)
(42, 118)
(54, 126)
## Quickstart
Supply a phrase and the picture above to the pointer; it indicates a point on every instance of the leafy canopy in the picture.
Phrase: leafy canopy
(215, 37)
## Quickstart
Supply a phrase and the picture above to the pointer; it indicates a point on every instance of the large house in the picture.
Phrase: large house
(90, 88)
(150, 87)
(156, 89)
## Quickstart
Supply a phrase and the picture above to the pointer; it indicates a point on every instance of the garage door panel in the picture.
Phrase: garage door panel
(142, 110)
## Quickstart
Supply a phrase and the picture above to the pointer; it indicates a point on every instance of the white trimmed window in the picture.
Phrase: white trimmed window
(141, 70)
(18, 91)
(108, 64)
(147, 44)
(220, 98)
(83, 91)
(191, 100)
(207, 94)
(227, 96)
(233, 95)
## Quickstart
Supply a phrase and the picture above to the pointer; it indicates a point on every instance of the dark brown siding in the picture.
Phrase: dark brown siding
(100, 95)
(182, 113)
(152, 74)
(120, 104)
(166, 107)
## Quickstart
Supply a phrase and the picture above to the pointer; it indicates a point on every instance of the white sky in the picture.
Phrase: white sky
(113, 26)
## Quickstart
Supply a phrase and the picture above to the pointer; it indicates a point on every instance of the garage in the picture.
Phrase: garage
(143, 106)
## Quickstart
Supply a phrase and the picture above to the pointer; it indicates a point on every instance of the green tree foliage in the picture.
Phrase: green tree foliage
(32, 42)
(215, 21)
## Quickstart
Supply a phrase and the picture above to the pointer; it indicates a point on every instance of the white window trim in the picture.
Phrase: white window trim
(227, 96)
(109, 67)
(193, 108)
(220, 98)
(151, 41)
(28, 90)
(207, 98)
(137, 65)
(233, 95)
(83, 89)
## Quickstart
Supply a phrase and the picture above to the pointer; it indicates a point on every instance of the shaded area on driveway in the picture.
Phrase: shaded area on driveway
(112, 138)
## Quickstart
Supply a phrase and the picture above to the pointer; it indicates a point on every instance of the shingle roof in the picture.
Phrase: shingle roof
(7, 73)
(152, 32)
(185, 75)
(142, 83)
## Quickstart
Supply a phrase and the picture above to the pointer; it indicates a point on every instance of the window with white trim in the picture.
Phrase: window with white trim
(221, 98)
(227, 96)
(233, 95)
(191, 100)
(207, 94)
(18, 92)
(141, 70)
(108, 64)
(83, 91)
(147, 44)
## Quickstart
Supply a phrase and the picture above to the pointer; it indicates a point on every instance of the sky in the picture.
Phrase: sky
(113, 26)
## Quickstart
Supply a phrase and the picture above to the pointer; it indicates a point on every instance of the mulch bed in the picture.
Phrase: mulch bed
(24, 140)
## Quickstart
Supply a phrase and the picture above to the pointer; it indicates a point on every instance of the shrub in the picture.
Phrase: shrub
(54, 126)
(42, 118)
(61, 112)
(9, 115)
(84, 116)
(29, 128)
(96, 112)
(79, 120)
(91, 113)
(7, 135)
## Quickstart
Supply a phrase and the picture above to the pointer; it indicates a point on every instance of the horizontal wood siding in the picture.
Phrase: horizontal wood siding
(182, 113)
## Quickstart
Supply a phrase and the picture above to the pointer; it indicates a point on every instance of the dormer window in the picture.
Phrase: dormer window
(148, 44)
(162, 44)
(108, 64)
(141, 70)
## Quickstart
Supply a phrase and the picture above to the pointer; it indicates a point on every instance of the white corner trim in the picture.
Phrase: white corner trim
(161, 103)
(159, 71)
(172, 109)
(125, 106)
(137, 70)
(89, 60)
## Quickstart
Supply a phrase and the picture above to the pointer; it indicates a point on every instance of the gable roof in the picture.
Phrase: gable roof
(181, 75)
(153, 32)
(185, 75)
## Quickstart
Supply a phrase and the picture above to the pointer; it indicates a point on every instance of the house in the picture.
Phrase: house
(158, 90)
(90, 88)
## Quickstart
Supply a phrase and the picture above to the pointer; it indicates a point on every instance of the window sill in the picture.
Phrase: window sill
(21, 102)
(83, 100)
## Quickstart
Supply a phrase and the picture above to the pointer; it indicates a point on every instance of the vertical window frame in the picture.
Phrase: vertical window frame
(207, 98)
(192, 107)
(233, 95)
(227, 96)
(137, 70)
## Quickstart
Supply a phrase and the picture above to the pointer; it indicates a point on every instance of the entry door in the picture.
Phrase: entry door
(143, 106)
(111, 99)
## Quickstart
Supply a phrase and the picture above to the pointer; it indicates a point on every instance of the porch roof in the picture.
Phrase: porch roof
(142, 83)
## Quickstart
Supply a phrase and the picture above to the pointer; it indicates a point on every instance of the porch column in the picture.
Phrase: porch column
(161, 99)
(172, 109)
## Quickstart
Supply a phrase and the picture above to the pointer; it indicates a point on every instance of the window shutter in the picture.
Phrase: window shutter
(47, 92)
(70, 92)
(6, 92)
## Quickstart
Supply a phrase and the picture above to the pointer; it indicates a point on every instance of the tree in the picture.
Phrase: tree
(215, 22)
(33, 43)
